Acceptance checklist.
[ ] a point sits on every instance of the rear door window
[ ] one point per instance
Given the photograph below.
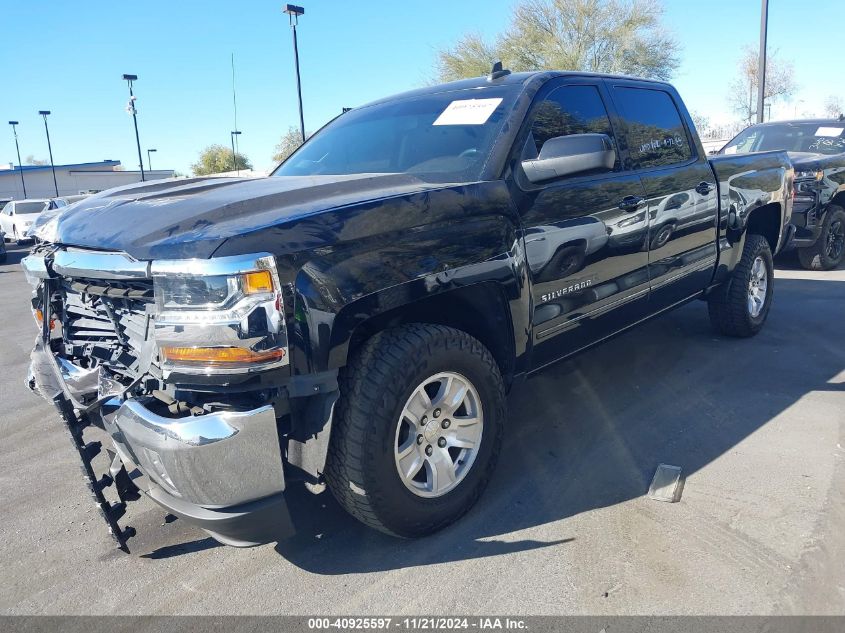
(653, 127)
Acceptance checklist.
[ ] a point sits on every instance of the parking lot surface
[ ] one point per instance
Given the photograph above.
(565, 526)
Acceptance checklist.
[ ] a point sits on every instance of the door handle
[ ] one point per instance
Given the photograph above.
(631, 203)
(704, 188)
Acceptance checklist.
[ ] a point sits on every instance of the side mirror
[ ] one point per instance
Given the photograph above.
(565, 155)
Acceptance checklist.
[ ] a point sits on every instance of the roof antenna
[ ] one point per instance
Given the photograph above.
(497, 71)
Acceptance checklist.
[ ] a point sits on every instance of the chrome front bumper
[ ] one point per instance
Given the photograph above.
(213, 460)
(221, 471)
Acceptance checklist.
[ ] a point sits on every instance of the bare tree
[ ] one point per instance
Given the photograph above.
(614, 36)
(780, 83)
(31, 160)
(833, 106)
(701, 122)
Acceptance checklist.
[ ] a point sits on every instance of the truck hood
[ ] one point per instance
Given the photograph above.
(191, 218)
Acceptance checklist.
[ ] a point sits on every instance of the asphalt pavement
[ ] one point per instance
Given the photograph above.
(565, 526)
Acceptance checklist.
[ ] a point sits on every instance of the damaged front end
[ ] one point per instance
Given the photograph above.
(184, 364)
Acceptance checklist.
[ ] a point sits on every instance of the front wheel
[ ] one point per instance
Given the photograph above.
(417, 429)
(829, 250)
(740, 306)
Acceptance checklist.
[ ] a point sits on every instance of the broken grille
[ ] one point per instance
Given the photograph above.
(107, 322)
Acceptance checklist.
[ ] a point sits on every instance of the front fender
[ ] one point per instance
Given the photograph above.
(442, 248)
(748, 183)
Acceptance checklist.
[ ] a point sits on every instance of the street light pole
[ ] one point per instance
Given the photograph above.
(150, 162)
(131, 108)
(17, 147)
(294, 12)
(761, 64)
(235, 165)
(44, 113)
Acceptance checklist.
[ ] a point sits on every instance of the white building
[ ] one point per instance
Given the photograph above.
(71, 179)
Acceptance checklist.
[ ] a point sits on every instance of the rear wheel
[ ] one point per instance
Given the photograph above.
(741, 305)
(417, 429)
(829, 250)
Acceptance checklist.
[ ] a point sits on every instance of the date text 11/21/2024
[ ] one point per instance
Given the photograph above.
(417, 623)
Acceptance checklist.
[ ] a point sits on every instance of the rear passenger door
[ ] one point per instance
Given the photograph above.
(586, 283)
(679, 185)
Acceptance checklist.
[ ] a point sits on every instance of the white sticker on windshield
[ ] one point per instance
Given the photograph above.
(829, 131)
(468, 112)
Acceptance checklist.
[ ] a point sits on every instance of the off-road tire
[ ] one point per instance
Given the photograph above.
(728, 304)
(374, 388)
(816, 257)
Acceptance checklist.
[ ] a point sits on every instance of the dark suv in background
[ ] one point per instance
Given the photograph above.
(816, 149)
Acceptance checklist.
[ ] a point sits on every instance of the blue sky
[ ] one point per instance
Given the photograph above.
(68, 56)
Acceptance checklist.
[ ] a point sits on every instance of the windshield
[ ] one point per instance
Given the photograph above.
(821, 138)
(445, 137)
(24, 208)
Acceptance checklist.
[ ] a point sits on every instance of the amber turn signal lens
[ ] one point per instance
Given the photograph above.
(39, 316)
(258, 282)
(219, 355)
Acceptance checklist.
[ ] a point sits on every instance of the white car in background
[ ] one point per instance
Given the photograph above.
(55, 207)
(17, 218)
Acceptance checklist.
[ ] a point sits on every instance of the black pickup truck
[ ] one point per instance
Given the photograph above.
(816, 148)
(356, 319)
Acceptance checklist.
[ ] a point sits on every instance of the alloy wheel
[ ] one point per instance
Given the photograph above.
(438, 434)
(757, 287)
(835, 240)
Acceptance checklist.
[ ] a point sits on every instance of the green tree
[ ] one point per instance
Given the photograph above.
(215, 159)
(611, 36)
(470, 57)
(289, 143)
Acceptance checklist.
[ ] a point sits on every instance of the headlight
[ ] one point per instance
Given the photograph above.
(218, 295)
(634, 219)
(221, 315)
(817, 175)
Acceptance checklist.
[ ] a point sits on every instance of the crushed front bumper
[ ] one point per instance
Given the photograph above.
(220, 471)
